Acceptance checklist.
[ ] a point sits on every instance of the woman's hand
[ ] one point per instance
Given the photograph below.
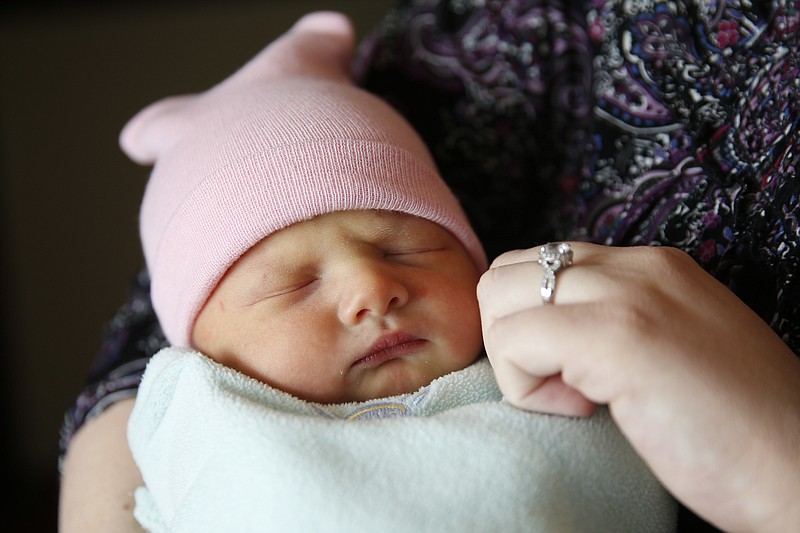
(703, 389)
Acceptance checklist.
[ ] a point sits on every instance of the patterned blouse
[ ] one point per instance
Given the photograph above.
(623, 122)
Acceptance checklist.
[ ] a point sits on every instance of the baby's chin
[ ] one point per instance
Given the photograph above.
(396, 379)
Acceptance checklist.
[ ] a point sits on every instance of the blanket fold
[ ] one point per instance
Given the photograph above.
(220, 451)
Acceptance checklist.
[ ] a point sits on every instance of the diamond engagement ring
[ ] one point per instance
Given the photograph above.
(553, 257)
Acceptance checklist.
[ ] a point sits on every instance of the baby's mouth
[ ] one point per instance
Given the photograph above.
(390, 347)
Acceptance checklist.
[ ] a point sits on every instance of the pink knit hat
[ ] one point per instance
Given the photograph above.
(286, 138)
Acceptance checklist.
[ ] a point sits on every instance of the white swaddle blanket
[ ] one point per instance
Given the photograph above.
(222, 452)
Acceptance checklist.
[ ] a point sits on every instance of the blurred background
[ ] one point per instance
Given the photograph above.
(71, 74)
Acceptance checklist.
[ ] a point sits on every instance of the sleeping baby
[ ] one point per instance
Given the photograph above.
(316, 279)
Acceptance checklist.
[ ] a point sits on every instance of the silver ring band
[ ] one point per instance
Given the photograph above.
(553, 257)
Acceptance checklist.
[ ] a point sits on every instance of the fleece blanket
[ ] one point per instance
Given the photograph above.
(222, 452)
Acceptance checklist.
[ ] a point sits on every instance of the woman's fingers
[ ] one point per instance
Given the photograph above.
(555, 359)
(509, 289)
(550, 395)
(512, 284)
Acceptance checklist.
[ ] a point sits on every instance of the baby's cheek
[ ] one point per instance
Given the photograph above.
(466, 326)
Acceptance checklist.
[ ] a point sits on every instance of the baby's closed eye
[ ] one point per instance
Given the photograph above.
(413, 251)
(275, 289)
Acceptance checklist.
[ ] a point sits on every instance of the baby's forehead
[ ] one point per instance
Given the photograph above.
(342, 228)
(361, 222)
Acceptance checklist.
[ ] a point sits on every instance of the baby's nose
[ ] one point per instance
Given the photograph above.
(370, 290)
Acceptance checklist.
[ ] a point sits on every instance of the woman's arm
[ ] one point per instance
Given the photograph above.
(99, 476)
(703, 389)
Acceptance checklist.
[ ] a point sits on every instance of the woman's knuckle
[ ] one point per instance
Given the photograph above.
(631, 319)
(485, 282)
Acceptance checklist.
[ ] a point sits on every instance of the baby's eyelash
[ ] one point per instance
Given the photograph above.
(295, 287)
(289, 289)
(412, 251)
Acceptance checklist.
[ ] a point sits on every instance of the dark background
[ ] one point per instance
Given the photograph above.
(71, 75)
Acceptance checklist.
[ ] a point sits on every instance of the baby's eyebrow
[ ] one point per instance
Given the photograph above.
(392, 229)
(383, 225)
(270, 267)
(283, 268)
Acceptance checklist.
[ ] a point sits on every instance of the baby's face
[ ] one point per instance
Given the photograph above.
(349, 306)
